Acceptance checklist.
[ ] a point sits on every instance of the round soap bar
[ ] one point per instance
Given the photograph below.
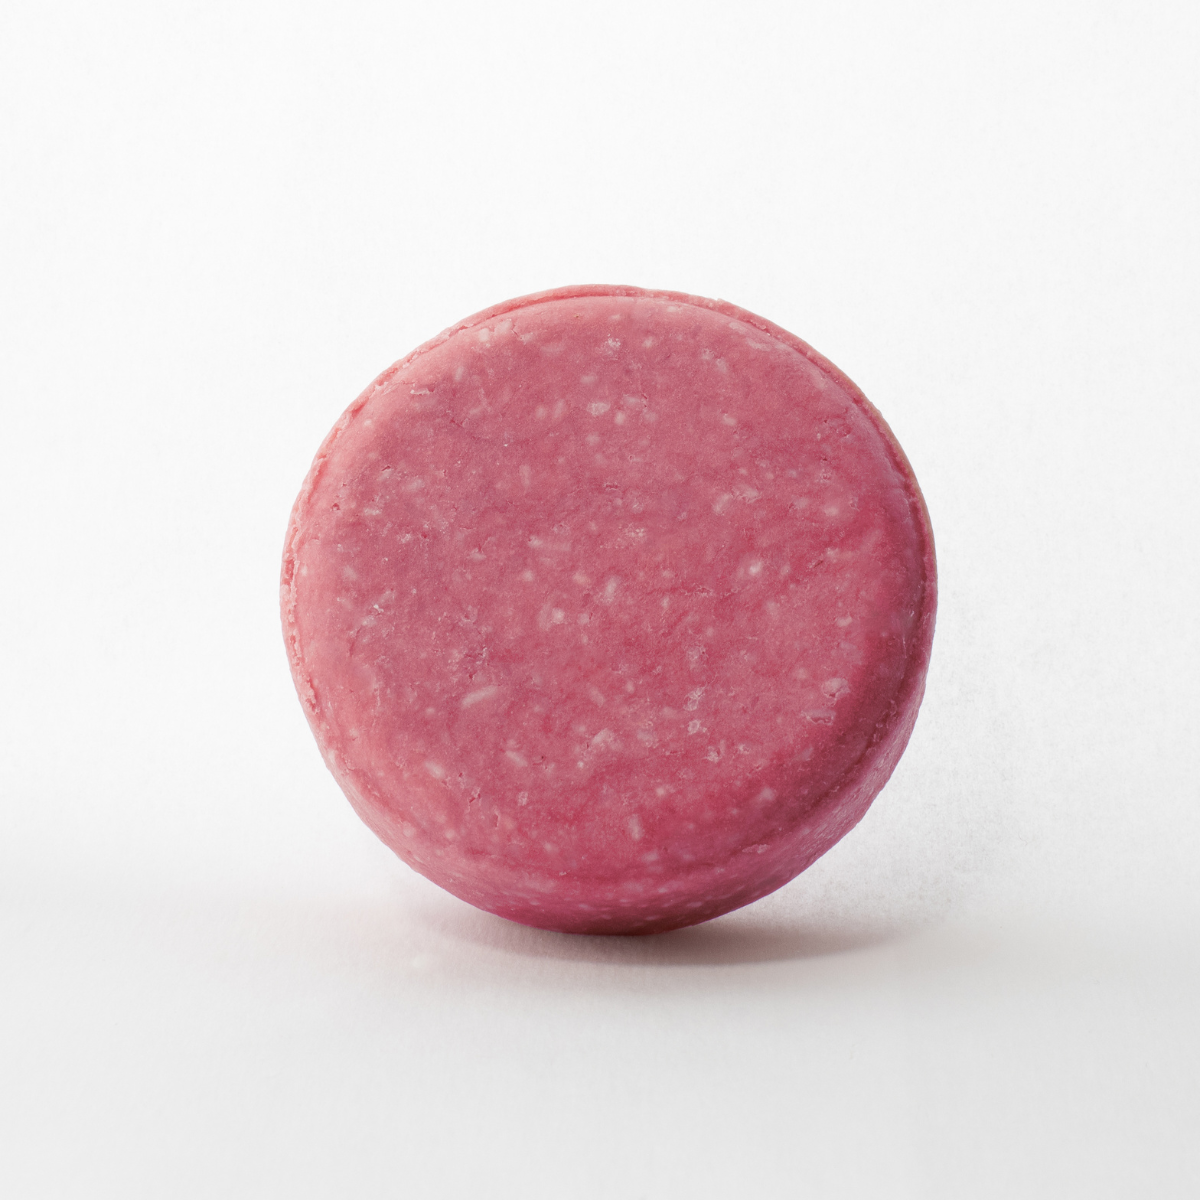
(610, 609)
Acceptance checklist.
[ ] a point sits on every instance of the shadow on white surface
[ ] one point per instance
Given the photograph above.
(747, 936)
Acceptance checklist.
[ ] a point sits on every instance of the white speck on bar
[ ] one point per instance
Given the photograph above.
(476, 697)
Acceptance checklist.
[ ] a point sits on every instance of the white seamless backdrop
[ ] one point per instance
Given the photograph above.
(219, 221)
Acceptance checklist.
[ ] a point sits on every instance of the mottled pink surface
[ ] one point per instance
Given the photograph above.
(610, 609)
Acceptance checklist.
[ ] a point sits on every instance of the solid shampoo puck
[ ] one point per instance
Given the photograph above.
(610, 609)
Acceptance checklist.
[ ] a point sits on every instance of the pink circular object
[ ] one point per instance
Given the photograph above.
(610, 609)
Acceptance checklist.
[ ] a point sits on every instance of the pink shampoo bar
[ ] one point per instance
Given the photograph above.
(610, 609)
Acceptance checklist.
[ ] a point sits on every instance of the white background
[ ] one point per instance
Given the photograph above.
(219, 221)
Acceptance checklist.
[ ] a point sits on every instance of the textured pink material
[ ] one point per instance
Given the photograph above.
(610, 609)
